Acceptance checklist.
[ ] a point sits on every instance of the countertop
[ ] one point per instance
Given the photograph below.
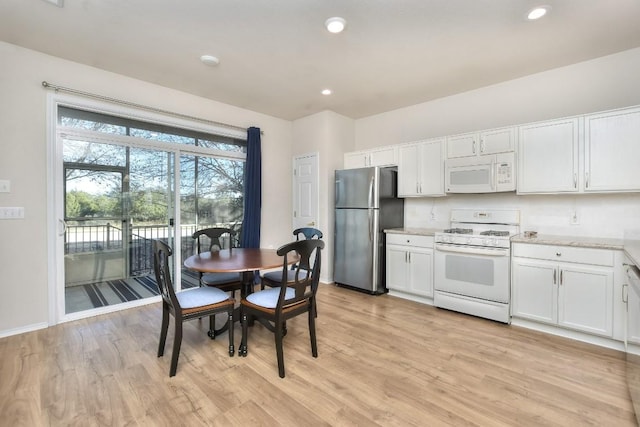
(581, 242)
(630, 247)
(415, 231)
(632, 250)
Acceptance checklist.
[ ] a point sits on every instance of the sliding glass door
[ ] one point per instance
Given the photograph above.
(116, 200)
(120, 183)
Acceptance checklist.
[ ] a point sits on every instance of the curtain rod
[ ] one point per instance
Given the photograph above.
(57, 88)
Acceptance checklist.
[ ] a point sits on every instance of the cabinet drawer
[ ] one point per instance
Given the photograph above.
(410, 240)
(564, 254)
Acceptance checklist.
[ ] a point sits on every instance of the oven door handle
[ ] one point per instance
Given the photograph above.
(475, 251)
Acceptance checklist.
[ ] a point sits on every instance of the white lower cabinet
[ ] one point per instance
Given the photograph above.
(562, 286)
(410, 264)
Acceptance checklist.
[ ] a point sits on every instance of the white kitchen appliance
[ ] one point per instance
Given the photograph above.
(472, 263)
(481, 174)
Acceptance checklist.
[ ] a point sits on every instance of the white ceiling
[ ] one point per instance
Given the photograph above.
(276, 56)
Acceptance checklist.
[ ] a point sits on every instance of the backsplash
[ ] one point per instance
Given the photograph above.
(592, 215)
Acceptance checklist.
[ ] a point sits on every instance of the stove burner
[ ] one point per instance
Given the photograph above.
(458, 230)
(494, 233)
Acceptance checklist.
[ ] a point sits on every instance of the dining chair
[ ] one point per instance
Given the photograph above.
(274, 278)
(186, 305)
(211, 239)
(273, 307)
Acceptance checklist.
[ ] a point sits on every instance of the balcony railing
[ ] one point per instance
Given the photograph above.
(108, 237)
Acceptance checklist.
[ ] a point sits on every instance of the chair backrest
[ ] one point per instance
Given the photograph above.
(215, 240)
(307, 270)
(161, 254)
(308, 232)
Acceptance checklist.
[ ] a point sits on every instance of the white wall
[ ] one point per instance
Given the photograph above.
(23, 243)
(600, 84)
(597, 85)
(331, 135)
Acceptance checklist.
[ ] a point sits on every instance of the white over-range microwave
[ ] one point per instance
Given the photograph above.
(481, 174)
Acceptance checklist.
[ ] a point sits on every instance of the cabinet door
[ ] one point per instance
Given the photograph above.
(534, 290)
(357, 159)
(462, 145)
(421, 271)
(585, 298)
(397, 259)
(383, 157)
(497, 141)
(548, 157)
(432, 169)
(612, 150)
(408, 170)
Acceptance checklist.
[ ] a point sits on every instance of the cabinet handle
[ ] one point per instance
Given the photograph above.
(473, 147)
(625, 294)
(406, 257)
(420, 187)
(575, 180)
(482, 145)
(558, 253)
(417, 187)
(561, 276)
(555, 272)
(586, 179)
(409, 257)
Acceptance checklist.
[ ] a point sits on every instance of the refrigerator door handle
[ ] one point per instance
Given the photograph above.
(370, 200)
(370, 225)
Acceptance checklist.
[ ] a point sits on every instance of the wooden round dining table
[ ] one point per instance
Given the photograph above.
(241, 260)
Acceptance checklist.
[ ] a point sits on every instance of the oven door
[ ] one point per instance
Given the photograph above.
(471, 271)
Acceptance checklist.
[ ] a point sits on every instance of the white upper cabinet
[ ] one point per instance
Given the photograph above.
(478, 143)
(548, 157)
(595, 153)
(421, 169)
(383, 156)
(612, 150)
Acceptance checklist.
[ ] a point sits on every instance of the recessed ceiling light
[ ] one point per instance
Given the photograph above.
(326, 91)
(209, 60)
(538, 12)
(335, 24)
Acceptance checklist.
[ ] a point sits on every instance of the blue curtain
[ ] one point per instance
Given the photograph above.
(252, 191)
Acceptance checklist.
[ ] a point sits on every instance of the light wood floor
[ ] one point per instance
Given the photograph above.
(382, 361)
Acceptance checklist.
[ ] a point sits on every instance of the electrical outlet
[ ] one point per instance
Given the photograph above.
(433, 216)
(574, 218)
(5, 186)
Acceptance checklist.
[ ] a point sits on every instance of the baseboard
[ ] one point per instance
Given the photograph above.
(568, 333)
(23, 329)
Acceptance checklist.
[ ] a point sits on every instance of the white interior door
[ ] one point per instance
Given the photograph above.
(305, 191)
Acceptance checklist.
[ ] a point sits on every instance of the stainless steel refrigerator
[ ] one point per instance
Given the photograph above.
(366, 204)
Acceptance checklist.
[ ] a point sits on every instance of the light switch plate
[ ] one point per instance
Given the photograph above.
(5, 186)
(11, 213)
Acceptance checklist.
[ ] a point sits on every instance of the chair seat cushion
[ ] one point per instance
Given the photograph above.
(276, 276)
(269, 297)
(199, 297)
(220, 278)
